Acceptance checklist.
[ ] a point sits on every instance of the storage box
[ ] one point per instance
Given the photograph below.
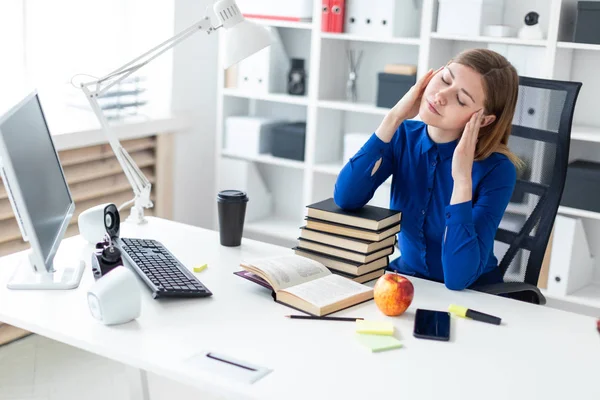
(587, 26)
(296, 10)
(249, 136)
(383, 18)
(391, 88)
(353, 143)
(468, 17)
(289, 140)
(582, 188)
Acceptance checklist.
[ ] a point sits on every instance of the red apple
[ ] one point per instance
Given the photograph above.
(393, 294)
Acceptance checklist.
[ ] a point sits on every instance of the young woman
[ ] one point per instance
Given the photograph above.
(452, 174)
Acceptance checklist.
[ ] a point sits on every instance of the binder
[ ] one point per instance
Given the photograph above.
(325, 10)
(571, 263)
(336, 16)
(383, 18)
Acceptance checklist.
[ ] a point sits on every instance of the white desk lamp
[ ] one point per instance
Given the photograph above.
(242, 39)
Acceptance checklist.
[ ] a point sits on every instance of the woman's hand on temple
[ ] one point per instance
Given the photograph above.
(462, 161)
(406, 108)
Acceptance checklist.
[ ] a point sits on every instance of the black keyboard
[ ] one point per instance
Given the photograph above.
(160, 270)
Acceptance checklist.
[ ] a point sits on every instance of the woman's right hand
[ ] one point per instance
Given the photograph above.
(406, 108)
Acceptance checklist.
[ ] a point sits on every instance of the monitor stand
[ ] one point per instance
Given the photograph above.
(26, 278)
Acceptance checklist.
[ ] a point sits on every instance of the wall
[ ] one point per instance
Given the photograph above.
(194, 93)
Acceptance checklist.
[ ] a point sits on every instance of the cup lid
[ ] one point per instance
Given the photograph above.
(232, 195)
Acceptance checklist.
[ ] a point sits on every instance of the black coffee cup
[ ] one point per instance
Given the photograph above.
(232, 211)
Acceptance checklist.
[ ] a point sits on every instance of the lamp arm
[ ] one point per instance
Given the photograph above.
(94, 89)
(105, 83)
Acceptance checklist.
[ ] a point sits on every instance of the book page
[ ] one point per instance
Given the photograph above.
(286, 271)
(328, 290)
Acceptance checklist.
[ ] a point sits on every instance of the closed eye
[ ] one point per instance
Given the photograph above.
(457, 99)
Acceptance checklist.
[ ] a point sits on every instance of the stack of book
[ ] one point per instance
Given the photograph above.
(356, 244)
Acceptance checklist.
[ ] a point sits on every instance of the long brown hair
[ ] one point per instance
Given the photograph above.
(501, 88)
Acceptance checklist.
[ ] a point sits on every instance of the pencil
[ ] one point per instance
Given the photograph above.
(323, 318)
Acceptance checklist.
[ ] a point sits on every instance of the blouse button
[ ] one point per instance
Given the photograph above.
(447, 215)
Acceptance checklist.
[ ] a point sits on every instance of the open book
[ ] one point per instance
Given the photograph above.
(306, 285)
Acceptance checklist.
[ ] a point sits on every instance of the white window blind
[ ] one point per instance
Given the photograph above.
(12, 57)
(48, 42)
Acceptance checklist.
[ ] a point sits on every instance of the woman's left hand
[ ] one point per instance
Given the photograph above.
(464, 154)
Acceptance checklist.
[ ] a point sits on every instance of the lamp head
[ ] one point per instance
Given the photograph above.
(242, 37)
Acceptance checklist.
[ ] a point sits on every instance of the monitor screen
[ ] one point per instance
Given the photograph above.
(38, 171)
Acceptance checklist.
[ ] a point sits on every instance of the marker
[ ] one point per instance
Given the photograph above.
(476, 315)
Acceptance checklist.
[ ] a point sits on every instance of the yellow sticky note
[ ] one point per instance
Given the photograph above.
(374, 327)
(200, 268)
(378, 342)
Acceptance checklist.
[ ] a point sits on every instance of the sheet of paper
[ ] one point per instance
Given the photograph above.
(328, 290)
(378, 342)
(227, 367)
(375, 327)
(286, 271)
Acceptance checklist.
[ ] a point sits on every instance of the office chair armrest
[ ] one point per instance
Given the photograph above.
(514, 290)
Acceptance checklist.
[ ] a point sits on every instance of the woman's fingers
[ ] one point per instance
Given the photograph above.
(425, 79)
(477, 126)
(432, 75)
(466, 136)
(469, 135)
(422, 79)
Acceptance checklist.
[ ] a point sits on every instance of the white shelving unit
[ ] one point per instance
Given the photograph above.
(489, 39)
(329, 115)
(283, 24)
(271, 97)
(360, 38)
(265, 159)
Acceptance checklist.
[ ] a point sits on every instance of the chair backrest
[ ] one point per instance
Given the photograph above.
(540, 136)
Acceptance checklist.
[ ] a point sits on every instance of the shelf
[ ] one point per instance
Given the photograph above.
(587, 296)
(578, 46)
(359, 38)
(275, 226)
(281, 23)
(273, 97)
(330, 169)
(490, 39)
(355, 107)
(585, 133)
(576, 212)
(265, 159)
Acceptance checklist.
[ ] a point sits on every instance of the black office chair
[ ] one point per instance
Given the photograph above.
(541, 136)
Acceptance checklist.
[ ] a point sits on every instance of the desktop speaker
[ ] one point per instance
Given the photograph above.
(94, 223)
(116, 297)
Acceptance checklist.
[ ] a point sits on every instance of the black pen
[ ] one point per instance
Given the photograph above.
(210, 355)
(323, 318)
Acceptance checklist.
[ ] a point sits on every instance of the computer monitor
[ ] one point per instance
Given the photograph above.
(39, 195)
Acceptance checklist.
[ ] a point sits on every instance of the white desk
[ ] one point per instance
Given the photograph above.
(538, 353)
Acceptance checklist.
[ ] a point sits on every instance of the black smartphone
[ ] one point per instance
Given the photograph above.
(430, 324)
